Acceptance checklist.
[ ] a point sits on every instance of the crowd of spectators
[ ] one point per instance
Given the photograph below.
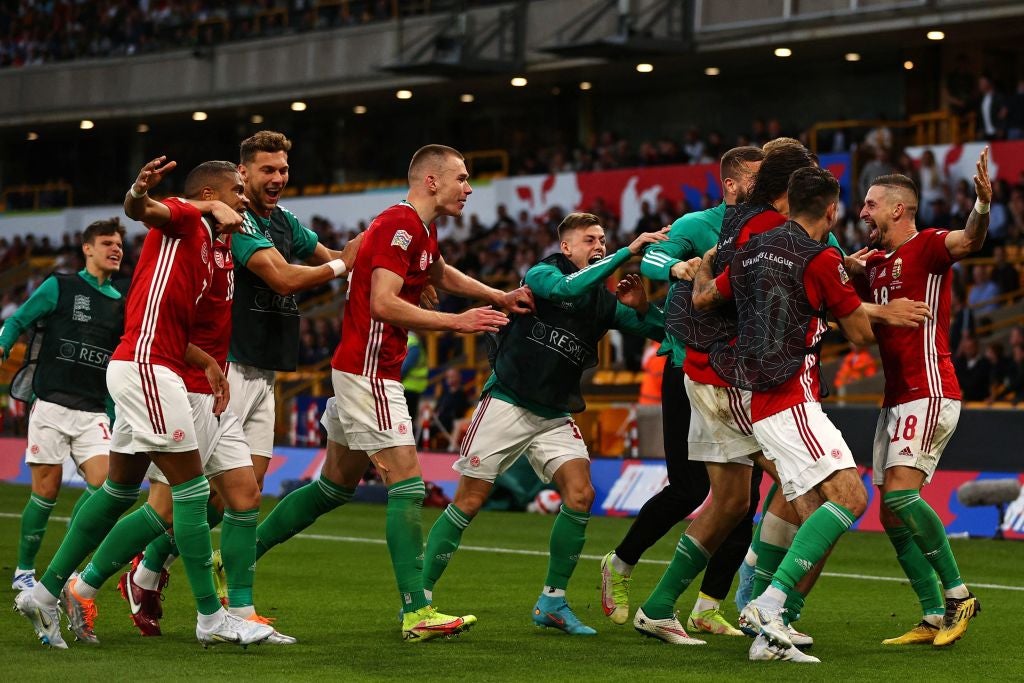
(36, 32)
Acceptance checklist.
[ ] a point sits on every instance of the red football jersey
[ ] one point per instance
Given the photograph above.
(172, 273)
(399, 241)
(825, 282)
(211, 330)
(695, 363)
(917, 361)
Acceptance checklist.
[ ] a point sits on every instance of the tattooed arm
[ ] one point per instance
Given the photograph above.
(961, 243)
(706, 292)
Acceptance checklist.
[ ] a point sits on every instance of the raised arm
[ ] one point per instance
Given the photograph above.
(138, 205)
(961, 243)
(456, 282)
(42, 303)
(387, 306)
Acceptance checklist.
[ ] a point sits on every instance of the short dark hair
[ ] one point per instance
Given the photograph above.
(733, 160)
(111, 226)
(575, 221)
(263, 141)
(207, 174)
(897, 180)
(773, 176)
(431, 153)
(811, 190)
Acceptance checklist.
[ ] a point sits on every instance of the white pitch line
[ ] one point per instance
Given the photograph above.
(542, 553)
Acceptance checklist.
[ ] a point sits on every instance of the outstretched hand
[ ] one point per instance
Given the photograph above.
(638, 245)
(856, 262)
(982, 183)
(630, 292)
(152, 173)
(518, 300)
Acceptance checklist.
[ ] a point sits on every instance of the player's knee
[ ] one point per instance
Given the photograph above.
(579, 497)
(856, 499)
(887, 517)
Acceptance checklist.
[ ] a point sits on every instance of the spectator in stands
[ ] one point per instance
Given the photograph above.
(983, 291)
(973, 371)
(999, 214)
(879, 137)
(1004, 274)
(327, 332)
(878, 166)
(9, 304)
(858, 364)
(1013, 390)
(932, 185)
(960, 86)
(693, 148)
(415, 372)
(1002, 368)
(758, 133)
(941, 217)
(453, 402)
(308, 349)
(963, 204)
(649, 221)
(961, 320)
(503, 220)
(1015, 113)
(1015, 209)
(991, 110)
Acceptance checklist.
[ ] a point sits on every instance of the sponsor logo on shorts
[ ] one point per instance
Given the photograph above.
(34, 449)
(906, 452)
(837, 454)
(403, 429)
(474, 461)
(178, 435)
(401, 239)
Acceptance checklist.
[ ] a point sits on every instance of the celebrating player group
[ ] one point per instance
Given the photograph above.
(173, 381)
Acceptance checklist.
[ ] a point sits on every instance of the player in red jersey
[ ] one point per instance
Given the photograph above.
(922, 396)
(152, 408)
(785, 280)
(369, 416)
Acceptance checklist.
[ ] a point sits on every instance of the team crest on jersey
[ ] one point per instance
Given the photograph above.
(897, 268)
(218, 258)
(401, 239)
(423, 260)
(843, 275)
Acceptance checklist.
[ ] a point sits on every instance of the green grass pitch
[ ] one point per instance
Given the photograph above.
(333, 589)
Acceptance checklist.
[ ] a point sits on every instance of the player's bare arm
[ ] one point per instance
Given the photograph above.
(196, 357)
(705, 291)
(323, 255)
(901, 312)
(227, 220)
(856, 327)
(630, 292)
(961, 243)
(138, 205)
(387, 306)
(288, 278)
(451, 280)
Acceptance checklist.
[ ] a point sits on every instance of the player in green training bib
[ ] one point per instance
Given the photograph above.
(534, 388)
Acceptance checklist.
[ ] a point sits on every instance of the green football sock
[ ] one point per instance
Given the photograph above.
(817, 534)
(405, 540)
(755, 541)
(769, 557)
(33, 525)
(929, 533)
(214, 514)
(192, 535)
(794, 606)
(157, 552)
(89, 490)
(298, 510)
(442, 542)
(689, 560)
(915, 565)
(568, 534)
(95, 519)
(238, 551)
(128, 537)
